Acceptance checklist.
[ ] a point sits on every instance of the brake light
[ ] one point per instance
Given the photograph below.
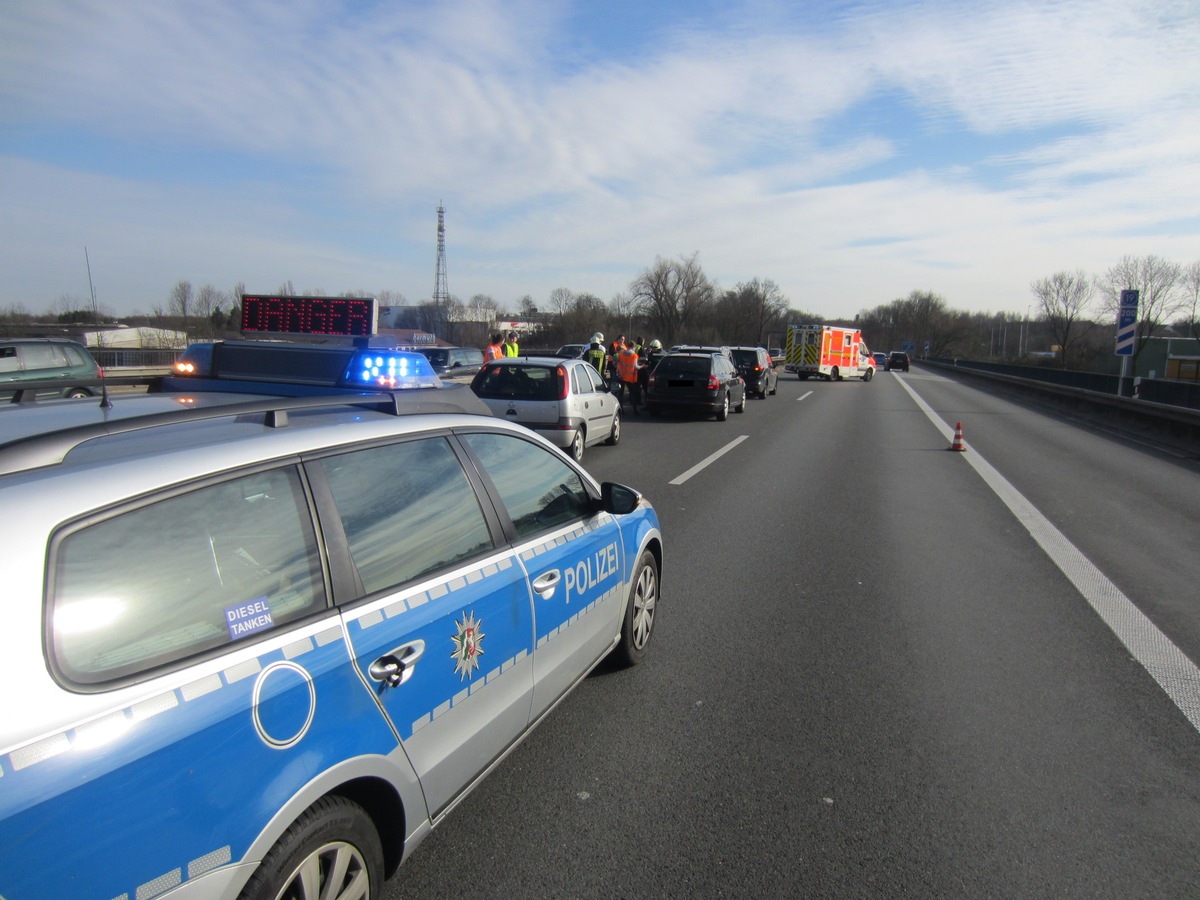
(564, 381)
(714, 383)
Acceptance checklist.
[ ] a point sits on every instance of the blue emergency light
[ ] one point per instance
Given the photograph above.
(392, 369)
(236, 365)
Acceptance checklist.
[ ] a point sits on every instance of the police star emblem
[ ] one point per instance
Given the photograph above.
(468, 646)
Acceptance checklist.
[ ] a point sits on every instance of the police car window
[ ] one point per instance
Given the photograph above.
(407, 510)
(184, 575)
(539, 489)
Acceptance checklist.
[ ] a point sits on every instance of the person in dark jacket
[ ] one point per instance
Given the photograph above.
(596, 355)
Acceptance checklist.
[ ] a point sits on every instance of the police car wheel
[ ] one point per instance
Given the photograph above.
(333, 847)
(614, 436)
(576, 448)
(639, 613)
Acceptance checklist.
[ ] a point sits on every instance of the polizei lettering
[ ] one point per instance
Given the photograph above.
(591, 572)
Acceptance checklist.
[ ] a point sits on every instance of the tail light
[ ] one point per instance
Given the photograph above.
(714, 383)
(564, 382)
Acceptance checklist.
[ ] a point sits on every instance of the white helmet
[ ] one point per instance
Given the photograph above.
(656, 344)
(598, 338)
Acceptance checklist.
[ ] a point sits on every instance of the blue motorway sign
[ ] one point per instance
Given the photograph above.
(1127, 323)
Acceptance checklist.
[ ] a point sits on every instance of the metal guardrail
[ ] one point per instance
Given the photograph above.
(1156, 390)
(1175, 425)
(134, 358)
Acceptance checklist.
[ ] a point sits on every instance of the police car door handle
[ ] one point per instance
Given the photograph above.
(395, 668)
(545, 584)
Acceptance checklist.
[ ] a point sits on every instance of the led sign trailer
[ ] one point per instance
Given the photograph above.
(336, 316)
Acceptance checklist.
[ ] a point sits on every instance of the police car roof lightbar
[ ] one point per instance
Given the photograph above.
(299, 368)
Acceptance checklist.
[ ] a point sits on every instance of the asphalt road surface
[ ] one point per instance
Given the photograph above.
(880, 669)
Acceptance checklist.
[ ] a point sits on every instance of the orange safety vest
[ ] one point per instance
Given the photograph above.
(492, 352)
(627, 361)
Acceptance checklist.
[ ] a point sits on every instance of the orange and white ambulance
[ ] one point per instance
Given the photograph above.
(827, 351)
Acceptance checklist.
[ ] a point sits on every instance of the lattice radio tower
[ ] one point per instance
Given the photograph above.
(441, 293)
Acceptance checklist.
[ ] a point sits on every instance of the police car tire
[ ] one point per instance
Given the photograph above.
(330, 827)
(638, 625)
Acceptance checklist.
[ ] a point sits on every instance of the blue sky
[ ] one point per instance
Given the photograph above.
(849, 151)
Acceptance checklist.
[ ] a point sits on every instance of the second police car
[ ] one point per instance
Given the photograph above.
(244, 652)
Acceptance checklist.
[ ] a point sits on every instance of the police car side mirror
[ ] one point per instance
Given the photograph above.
(618, 499)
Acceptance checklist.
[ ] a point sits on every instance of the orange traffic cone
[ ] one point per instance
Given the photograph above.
(957, 443)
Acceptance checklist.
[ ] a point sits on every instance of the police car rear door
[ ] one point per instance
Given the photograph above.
(443, 632)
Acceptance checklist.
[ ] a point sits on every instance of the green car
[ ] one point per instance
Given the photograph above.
(51, 367)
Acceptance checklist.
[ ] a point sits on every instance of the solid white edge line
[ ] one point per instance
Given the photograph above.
(1174, 672)
(706, 462)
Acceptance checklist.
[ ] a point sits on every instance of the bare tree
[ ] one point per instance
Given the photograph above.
(179, 303)
(1064, 298)
(746, 314)
(924, 319)
(561, 301)
(622, 308)
(1191, 287)
(528, 308)
(1160, 294)
(672, 296)
(390, 298)
(207, 309)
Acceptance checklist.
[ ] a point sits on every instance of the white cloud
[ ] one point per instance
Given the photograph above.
(332, 132)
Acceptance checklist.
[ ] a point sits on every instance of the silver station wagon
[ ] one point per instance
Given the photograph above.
(243, 647)
(564, 400)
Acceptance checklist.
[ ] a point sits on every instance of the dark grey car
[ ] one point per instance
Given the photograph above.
(449, 362)
(704, 383)
(757, 370)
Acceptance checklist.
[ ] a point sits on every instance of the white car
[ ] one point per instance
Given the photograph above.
(564, 400)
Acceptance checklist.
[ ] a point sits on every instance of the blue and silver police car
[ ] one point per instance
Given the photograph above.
(245, 652)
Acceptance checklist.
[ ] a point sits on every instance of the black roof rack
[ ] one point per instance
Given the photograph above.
(51, 447)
